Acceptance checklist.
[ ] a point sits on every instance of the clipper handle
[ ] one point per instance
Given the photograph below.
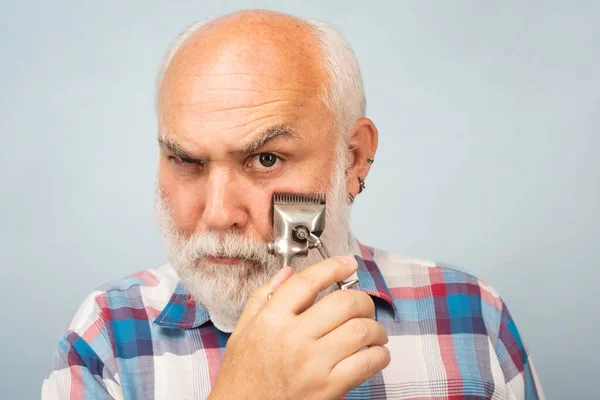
(314, 241)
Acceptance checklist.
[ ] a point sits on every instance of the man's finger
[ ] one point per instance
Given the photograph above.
(354, 370)
(349, 338)
(335, 309)
(299, 291)
(260, 296)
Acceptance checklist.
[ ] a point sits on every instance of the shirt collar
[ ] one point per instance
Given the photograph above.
(182, 312)
(370, 279)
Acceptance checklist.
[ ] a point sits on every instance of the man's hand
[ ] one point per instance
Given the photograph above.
(290, 348)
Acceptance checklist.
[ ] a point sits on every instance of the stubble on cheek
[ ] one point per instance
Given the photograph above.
(181, 203)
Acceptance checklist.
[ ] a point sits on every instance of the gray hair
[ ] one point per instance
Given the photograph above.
(343, 95)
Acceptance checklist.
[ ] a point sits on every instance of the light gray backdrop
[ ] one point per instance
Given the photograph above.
(489, 115)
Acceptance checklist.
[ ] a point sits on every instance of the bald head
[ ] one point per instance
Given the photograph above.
(241, 54)
(309, 55)
(265, 42)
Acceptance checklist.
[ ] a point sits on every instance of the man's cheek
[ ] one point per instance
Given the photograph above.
(260, 209)
(185, 208)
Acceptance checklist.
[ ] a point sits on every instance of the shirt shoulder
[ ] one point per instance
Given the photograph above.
(111, 325)
(403, 271)
(146, 292)
(414, 282)
(445, 307)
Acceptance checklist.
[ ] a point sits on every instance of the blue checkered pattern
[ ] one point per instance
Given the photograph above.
(451, 337)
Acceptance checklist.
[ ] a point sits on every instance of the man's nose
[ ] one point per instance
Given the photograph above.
(224, 208)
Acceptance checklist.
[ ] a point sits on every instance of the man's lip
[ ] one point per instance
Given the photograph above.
(224, 260)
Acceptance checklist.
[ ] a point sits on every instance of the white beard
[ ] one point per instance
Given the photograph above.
(223, 289)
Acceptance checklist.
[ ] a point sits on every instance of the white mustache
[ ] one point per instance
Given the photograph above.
(229, 245)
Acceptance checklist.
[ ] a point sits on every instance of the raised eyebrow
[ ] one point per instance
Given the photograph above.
(270, 134)
(177, 150)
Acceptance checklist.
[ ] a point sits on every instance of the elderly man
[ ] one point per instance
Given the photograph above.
(250, 104)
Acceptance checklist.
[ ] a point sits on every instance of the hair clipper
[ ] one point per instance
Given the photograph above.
(298, 222)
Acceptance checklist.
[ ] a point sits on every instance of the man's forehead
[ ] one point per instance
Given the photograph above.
(231, 81)
(256, 35)
(248, 51)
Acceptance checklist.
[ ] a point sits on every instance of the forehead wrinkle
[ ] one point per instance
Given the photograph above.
(203, 97)
(236, 107)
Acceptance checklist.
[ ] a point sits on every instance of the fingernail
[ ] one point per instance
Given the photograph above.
(278, 274)
(349, 261)
(277, 278)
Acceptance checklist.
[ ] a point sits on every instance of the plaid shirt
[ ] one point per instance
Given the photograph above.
(450, 337)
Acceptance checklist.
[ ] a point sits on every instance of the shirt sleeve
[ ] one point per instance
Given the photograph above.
(520, 376)
(78, 373)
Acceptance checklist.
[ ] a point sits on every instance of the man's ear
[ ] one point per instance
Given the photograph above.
(362, 145)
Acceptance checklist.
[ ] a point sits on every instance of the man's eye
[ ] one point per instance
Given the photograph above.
(182, 162)
(267, 159)
(264, 160)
